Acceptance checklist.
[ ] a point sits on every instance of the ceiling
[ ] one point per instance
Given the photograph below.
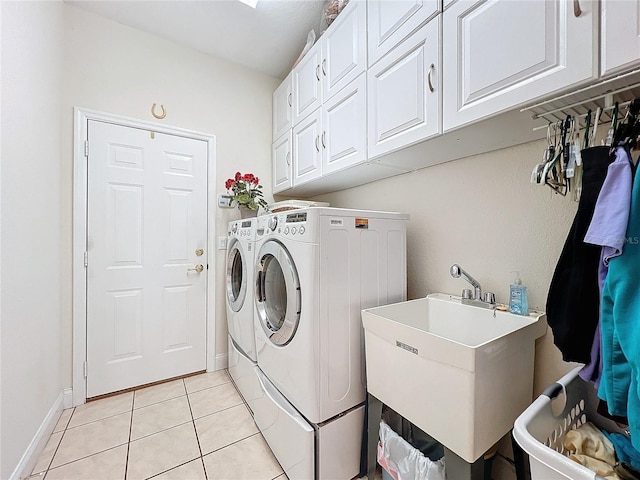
(267, 39)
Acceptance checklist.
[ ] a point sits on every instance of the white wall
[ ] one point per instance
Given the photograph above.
(120, 70)
(482, 213)
(30, 212)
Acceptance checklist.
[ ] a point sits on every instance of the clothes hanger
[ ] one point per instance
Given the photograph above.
(614, 124)
(587, 126)
(629, 129)
(552, 172)
(596, 122)
(548, 154)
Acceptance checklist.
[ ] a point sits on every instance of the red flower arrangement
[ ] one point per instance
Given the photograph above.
(246, 191)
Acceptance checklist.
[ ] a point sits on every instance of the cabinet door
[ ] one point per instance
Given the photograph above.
(620, 35)
(282, 161)
(500, 54)
(307, 94)
(403, 96)
(344, 48)
(391, 21)
(282, 108)
(344, 124)
(307, 149)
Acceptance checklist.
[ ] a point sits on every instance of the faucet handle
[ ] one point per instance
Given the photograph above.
(467, 294)
(490, 297)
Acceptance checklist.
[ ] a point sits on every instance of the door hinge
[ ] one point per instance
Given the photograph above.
(84, 369)
(86, 259)
(86, 148)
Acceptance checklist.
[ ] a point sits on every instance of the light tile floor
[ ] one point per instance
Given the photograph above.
(197, 428)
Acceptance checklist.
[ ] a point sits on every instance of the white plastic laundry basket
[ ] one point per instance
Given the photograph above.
(540, 432)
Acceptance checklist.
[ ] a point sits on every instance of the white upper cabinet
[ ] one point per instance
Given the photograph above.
(281, 154)
(620, 35)
(403, 93)
(282, 108)
(332, 138)
(500, 54)
(335, 60)
(344, 49)
(307, 149)
(391, 21)
(307, 89)
(344, 127)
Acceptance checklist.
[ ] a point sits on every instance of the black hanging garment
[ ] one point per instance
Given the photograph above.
(573, 302)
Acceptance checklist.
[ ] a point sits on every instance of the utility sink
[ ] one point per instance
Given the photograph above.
(461, 373)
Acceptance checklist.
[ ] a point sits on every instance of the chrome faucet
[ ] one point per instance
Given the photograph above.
(475, 298)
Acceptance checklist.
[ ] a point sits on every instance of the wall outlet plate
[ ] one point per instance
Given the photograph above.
(225, 201)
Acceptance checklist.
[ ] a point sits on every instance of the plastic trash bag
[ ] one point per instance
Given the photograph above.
(311, 39)
(402, 461)
(332, 8)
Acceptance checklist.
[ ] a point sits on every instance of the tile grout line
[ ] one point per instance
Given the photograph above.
(234, 442)
(156, 403)
(126, 460)
(86, 456)
(46, 470)
(217, 411)
(207, 388)
(206, 477)
(96, 420)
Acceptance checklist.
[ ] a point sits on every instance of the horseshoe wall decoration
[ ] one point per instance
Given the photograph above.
(162, 115)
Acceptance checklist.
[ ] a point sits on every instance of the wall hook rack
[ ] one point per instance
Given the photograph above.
(602, 95)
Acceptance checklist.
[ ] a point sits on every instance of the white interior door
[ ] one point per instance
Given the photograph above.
(147, 231)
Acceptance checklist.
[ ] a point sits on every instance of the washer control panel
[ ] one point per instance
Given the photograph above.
(290, 225)
(242, 228)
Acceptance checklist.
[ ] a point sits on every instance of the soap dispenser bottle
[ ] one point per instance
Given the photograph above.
(518, 302)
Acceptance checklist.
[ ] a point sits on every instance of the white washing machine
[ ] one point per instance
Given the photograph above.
(316, 269)
(240, 309)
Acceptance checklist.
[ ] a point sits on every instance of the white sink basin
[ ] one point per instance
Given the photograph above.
(461, 373)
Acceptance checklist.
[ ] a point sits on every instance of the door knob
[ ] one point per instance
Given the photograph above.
(198, 268)
(199, 252)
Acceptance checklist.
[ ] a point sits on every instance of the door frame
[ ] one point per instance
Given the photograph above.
(80, 185)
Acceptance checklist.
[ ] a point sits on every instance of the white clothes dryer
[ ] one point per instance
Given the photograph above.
(240, 310)
(316, 269)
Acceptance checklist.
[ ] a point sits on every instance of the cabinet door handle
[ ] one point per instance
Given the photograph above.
(289, 158)
(318, 72)
(324, 64)
(290, 100)
(317, 140)
(576, 8)
(431, 89)
(323, 135)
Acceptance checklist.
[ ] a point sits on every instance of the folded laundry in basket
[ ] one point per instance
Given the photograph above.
(588, 446)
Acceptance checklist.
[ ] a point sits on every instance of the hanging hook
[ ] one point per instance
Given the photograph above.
(161, 116)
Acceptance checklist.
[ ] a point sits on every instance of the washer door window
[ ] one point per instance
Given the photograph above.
(278, 296)
(236, 276)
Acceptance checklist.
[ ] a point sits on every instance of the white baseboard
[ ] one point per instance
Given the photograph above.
(67, 394)
(222, 361)
(40, 439)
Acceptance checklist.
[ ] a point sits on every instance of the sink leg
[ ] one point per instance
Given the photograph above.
(374, 414)
(520, 459)
(459, 469)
